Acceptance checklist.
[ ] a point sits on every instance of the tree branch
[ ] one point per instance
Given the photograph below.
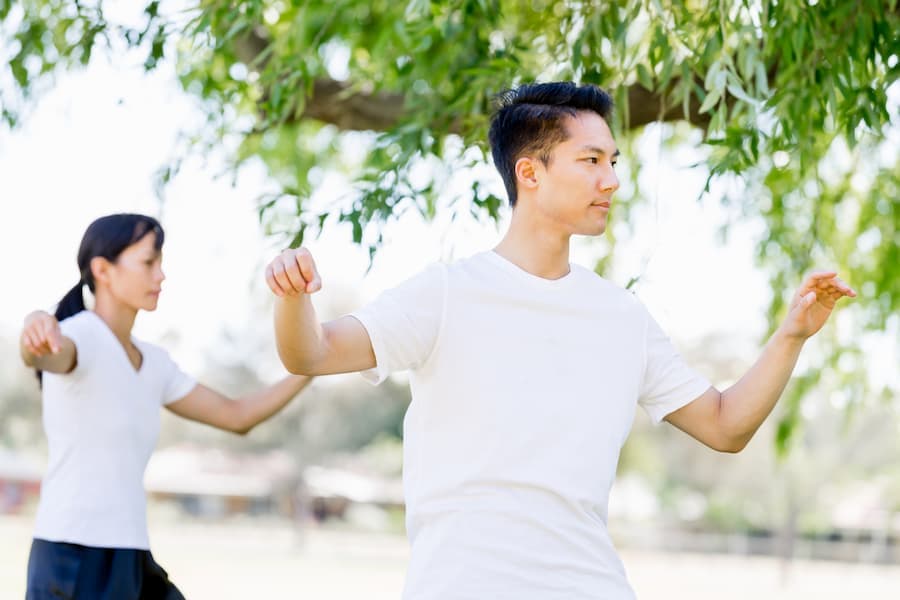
(348, 107)
(340, 104)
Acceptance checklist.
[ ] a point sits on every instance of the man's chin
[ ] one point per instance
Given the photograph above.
(593, 230)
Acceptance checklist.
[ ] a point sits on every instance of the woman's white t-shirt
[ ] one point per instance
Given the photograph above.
(102, 423)
(523, 392)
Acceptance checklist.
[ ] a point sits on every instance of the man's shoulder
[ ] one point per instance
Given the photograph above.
(601, 284)
(478, 258)
(466, 265)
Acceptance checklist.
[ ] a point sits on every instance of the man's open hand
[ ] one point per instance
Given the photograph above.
(813, 303)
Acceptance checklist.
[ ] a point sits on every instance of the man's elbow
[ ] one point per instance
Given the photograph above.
(729, 448)
(732, 437)
(731, 444)
(299, 367)
(294, 364)
(242, 429)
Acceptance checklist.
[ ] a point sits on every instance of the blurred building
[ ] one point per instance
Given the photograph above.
(20, 481)
(330, 491)
(211, 482)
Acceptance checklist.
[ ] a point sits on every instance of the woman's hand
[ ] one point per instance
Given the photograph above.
(41, 334)
(44, 347)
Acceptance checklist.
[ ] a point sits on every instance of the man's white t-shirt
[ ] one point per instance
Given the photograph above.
(523, 392)
(102, 423)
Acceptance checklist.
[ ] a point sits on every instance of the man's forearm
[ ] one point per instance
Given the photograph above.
(747, 403)
(298, 334)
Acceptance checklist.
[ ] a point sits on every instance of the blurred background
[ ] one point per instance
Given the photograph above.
(782, 156)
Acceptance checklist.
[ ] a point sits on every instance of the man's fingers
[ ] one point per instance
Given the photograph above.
(804, 300)
(827, 283)
(835, 287)
(844, 288)
(295, 275)
(817, 278)
(293, 272)
(314, 286)
(273, 283)
(282, 279)
(308, 270)
(809, 299)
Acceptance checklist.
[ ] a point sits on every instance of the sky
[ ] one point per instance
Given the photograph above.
(91, 145)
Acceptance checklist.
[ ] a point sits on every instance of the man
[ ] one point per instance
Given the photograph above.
(526, 371)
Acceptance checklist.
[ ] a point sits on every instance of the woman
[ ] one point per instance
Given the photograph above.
(102, 390)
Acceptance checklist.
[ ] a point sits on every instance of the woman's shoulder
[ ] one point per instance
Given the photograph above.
(84, 318)
(153, 353)
(80, 327)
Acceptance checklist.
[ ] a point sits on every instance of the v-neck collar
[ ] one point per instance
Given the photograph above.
(122, 349)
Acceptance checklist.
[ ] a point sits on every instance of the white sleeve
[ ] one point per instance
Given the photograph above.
(176, 383)
(79, 330)
(668, 382)
(403, 322)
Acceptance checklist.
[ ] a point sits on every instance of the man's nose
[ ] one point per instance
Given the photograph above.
(610, 181)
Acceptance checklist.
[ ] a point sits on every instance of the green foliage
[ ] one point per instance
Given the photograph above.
(792, 98)
(20, 405)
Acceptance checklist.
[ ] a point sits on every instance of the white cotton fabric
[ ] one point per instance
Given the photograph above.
(523, 392)
(102, 423)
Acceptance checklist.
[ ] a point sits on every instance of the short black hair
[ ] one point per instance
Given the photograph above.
(529, 119)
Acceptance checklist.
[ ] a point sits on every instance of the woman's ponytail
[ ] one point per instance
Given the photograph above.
(71, 304)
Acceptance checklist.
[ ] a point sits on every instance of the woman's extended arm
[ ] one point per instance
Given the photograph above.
(241, 414)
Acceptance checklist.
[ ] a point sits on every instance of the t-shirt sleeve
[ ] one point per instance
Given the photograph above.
(668, 383)
(79, 330)
(403, 323)
(176, 383)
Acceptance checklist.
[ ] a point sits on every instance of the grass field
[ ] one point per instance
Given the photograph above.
(268, 559)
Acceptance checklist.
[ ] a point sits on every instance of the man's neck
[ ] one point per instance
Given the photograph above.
(535, 249)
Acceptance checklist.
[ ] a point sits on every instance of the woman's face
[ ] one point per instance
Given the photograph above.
(136, 277)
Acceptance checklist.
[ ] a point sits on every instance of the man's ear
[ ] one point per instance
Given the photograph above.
(526, 172)
(100, 269)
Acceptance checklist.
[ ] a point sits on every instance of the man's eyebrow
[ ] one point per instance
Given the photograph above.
(601, 151)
